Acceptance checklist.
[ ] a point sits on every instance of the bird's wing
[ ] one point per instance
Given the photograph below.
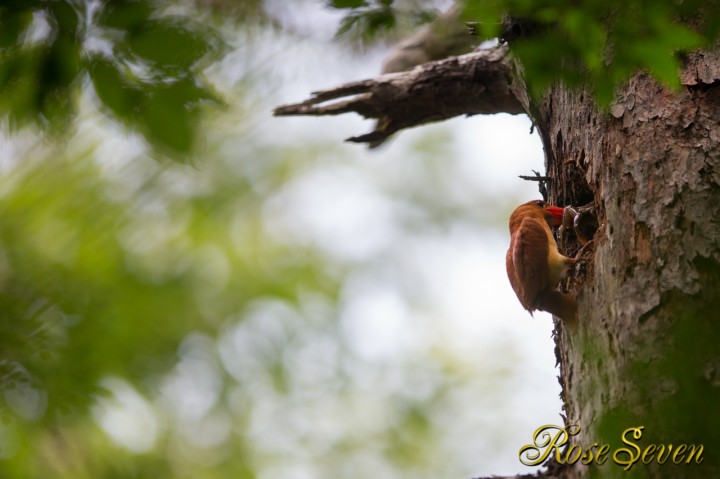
(529, 251)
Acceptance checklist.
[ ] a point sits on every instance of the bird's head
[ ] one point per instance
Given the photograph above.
(538, 209)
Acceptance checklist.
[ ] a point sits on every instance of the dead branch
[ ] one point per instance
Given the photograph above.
(476, 83)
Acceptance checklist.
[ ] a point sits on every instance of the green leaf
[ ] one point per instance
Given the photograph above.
(17, 6)
(170, 118)
(166, 114)
(58, 72)
(115, 90)
(65, 15)
(18, 81)
(168, 43)
(348, 3)
(659, 61)
(367, 23)
(587, 36)
(190, 94)
(12, 24)
(125, 14)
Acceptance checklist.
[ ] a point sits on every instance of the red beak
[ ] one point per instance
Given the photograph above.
(556, 211)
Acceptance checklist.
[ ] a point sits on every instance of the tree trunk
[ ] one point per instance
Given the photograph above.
(646, 351)
(641, 367)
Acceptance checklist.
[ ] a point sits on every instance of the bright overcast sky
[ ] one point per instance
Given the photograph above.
(342, 209)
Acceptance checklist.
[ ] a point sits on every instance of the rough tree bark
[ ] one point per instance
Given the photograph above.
(646, 349)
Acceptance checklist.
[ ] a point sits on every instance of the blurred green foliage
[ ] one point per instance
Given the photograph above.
(85, 276)
(144, 65)
(602, 43)
(152, 326)
(367, 21)
(594, 43)
(151, 323)
(103, 277)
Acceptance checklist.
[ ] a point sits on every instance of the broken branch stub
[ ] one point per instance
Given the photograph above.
(476, 83)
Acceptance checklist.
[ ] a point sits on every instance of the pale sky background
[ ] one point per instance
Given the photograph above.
(343, 209)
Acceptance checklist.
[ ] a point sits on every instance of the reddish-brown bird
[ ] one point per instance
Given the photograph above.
(534, 264)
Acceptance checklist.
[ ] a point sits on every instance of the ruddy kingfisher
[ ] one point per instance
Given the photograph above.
(534, 264)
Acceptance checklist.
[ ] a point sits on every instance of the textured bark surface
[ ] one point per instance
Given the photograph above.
(476, 83)
(645, 352)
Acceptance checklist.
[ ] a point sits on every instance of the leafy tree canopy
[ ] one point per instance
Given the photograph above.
(598, 43)
(143, 62)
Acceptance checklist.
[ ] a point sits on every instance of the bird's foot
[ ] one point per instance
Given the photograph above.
(579, 255)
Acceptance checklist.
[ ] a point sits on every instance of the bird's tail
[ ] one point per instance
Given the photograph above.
(559, 304)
